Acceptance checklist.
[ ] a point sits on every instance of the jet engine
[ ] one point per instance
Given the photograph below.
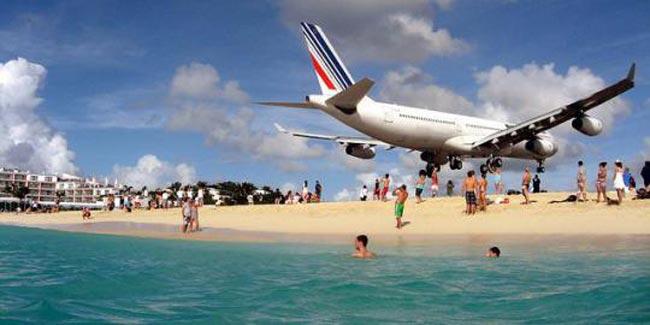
(587, 125)
(541, 147)
(362, 151)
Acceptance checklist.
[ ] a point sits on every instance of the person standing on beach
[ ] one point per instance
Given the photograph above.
(536, 183)
(401, 195)
(498, 182)
(305, 191)
(186, 211)
(581, 179)
(525, 185)
(469, 187)
(645, 174)
(601, 182)
(194, 214)
(434, 183)
(419, 186)
(361, 247)
(375, 193)
(619, 183)
(482, 192)
(386, 184)
(318, 190)
(450, 188)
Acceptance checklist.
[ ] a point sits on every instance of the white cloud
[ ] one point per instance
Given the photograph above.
(27, 141)
(411, 86)
(377, 30)
(343, 195)
(153, 172)
(202, 81)
(199, 105)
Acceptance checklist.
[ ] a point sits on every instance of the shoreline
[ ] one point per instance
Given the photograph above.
(340, 221)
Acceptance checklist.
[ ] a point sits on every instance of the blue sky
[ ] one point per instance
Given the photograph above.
(111, 64)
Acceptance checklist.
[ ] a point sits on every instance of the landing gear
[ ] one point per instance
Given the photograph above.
(491, 165)
(540, 167)
(431, 167)
(455, 163)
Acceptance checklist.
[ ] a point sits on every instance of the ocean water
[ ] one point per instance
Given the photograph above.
(57, 277)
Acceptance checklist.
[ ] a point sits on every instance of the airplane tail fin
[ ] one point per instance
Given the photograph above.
(333, 76)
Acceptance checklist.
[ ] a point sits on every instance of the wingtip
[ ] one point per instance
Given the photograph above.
(279, 128)
(631, 73)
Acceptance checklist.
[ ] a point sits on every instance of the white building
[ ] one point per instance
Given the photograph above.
(41, 187)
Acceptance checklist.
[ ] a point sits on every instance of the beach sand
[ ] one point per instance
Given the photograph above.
(339, 221)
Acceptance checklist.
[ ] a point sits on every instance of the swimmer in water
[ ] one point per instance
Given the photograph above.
(493, 252)
(361, 247)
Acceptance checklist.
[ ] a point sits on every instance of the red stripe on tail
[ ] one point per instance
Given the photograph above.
(321, 73)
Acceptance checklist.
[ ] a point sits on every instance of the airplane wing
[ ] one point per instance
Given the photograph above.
(340, 139)
(527, 129)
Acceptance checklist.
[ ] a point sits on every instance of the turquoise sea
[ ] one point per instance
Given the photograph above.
(58, 277)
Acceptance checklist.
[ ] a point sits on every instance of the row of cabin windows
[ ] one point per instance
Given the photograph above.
(420, 118)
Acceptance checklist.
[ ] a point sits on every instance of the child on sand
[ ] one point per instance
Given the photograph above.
(469, 186)
(401, 195)
(361, 247)
(419, 186)
(434, 183)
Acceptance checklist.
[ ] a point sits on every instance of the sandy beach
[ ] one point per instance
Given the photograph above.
(439, 216)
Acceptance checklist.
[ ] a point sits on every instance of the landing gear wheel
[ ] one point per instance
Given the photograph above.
(431, 167)
(484, 169)
(497, 162)
(455, 163)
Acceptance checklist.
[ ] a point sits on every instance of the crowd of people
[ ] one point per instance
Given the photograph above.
(304, 196)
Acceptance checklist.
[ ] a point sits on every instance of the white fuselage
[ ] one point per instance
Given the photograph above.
(424, 130)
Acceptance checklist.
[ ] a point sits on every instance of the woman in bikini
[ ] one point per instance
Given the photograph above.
(482, 193)
(601, 182)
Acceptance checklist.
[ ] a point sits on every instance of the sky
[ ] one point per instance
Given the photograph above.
(149, 92)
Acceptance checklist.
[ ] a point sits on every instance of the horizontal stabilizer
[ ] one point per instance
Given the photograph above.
(348, 98)
(289, 104)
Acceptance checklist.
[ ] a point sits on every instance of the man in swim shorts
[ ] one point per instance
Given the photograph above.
(401, 195)
(361, 247)
(470, 186)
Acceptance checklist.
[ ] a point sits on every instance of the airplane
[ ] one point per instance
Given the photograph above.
(440, 137)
